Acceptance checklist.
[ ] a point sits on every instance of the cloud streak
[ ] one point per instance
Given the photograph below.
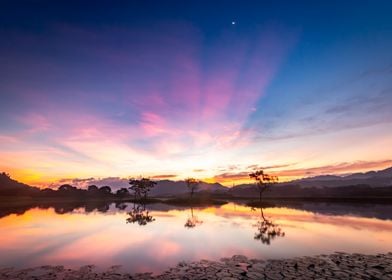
(135, 103)
(339, 168)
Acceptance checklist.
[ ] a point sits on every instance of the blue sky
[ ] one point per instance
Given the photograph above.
(97, 89)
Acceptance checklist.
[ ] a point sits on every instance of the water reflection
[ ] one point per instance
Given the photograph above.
(121, 205)
(139, 214)
(73, 234)
(369, 210)
(192, 221)
(267, 230)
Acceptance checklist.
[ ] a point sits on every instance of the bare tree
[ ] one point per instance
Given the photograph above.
(192, 184)
(135, 187)
(141, 187)
(263, 181)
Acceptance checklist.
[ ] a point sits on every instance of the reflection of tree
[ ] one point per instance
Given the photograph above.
(140, 215)
(266, 229)
(192, 221)
(100, 206)
(121, 205)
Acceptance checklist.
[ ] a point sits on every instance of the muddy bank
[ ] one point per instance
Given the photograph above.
(334, 266)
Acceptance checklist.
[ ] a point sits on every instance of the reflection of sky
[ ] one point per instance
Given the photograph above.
(86, 93)
(42, 237)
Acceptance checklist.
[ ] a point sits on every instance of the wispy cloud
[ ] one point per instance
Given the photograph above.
(334, 169)
(134, 106)
(339, 168)
(164, 176)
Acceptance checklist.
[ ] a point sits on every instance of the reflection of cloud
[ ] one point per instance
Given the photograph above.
(289, 217)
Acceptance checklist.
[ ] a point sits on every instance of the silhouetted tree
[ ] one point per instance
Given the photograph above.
(47, 192)
(135, 187)
(192, 184)
(266, 229)
(92, 188)
(263, 181)
(6, 175)
(105, 190)
(139, 215)
(66, 188)
(121, 205)
(141, 187)
(69, 191)
(192, 221)
(122, 192)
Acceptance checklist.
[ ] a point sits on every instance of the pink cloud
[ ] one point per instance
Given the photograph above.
(174, 96)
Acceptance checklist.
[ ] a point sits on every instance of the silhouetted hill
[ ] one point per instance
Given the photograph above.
(385, 173)
(368, 184)
(380, 178)
(10, 187)
(296, 191)
(172, 188)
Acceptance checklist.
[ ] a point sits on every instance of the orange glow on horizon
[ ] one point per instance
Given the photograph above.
(42, 180)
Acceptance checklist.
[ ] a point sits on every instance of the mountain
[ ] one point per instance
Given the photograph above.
(372, 183)
(169, 188)
(10, 187)
(372, 178)
(385, 173)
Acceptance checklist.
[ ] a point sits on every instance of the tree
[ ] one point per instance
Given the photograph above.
(135, 187)
(6, 175)
(122, 192)
(105, 190)
(141, 187)
(92, 188)
(263, 181)
(66, 188)
(192, 184)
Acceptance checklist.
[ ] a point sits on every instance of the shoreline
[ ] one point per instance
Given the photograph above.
(333, 266)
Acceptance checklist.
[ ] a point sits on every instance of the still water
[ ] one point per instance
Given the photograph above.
(158, 236)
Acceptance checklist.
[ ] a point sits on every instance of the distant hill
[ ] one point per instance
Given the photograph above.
(10, 187)
(372, 183)
(170, 188)
(380, 178)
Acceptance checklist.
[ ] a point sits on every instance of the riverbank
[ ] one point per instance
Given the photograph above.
(334, 266)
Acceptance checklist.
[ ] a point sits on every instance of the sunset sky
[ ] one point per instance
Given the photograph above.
(208, 89)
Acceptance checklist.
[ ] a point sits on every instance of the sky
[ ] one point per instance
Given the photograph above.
(207, 89)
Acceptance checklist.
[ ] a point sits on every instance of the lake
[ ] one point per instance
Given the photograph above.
(154, 237)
